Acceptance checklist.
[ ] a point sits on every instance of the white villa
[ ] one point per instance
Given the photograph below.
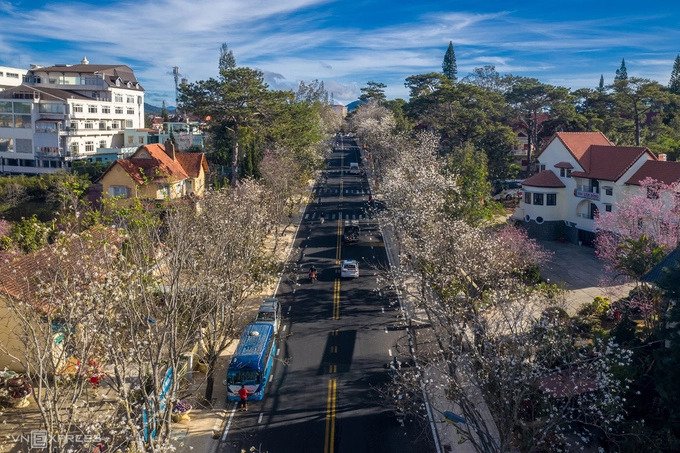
(581, 173)
(65, 112)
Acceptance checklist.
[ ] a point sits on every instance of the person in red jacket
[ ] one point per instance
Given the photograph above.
(243, 394)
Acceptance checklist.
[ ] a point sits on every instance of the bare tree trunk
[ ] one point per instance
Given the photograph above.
(234, 158)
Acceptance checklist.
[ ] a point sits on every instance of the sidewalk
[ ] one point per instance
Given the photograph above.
(202, 433)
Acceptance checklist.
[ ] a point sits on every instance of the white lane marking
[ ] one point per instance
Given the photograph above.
(259, 420)
(277, 352)
(271, 377)
(289, 308)
(231, 417)
(382, 309)
(389, 351)
(306, 216)
(385, 329)
(284, 327)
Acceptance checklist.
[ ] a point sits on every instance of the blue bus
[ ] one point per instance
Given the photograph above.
(252, 361)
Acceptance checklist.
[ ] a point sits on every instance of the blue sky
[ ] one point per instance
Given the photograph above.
(346, 43)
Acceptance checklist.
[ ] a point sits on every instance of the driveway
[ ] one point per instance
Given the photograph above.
(581, 271)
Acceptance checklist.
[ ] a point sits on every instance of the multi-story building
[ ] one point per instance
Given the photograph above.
(581, 173)
(66, 112)
(11, 77)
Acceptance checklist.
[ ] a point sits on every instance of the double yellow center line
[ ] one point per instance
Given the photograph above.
(336, 300)
(329, 445)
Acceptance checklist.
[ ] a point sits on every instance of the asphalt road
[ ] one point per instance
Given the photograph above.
(336, 337)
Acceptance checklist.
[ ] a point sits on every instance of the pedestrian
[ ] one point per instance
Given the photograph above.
(243, 394)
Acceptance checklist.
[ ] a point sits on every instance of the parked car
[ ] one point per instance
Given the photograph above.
(350, 234)
(508, 194)
(354, 168)
(349, 269)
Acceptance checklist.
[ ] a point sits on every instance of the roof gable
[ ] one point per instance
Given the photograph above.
(150, 163)
(192, 163)
(577, 143)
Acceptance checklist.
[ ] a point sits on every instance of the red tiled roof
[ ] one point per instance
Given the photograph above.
(159, 167)
(192, 163)
(662, 171)
(609, 163)
(564, 165)
(578, 142)
(546, 178)
(21, 277)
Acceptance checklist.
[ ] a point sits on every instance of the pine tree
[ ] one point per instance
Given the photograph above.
(622, 73)
(164, 113)
(600, 87)
(449, 67)
(674, 84)
(227, 60)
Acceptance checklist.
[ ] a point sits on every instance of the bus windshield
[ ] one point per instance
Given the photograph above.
(238, 377)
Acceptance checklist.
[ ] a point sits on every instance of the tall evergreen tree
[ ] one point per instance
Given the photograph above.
(674, 84)
(622, 73)
(227, 60)
(164, 112)
(449, 67)
(600, 87)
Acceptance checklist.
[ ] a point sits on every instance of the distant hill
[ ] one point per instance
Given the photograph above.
(152, 109)
(352, 105)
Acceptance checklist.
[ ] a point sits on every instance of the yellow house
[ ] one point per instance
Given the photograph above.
(25, 309)
(156, 172)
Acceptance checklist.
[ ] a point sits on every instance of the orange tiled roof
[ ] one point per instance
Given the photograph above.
(20, 277)
(578, 142)
(662, 171)
(546, 178)
(192, 163)
(159, 167)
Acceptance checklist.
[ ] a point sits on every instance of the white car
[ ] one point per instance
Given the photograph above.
(349, 269)
(508, 194)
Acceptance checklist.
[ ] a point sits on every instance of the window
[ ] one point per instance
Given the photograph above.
(139, 98)
(89, 125)
(106, 109)
(128, 123)
(562, 172)
(541, 167)
(119, 98)
(89, 147)
(130, 110)
(102, 125)
(115, 125)
(538, 199)
(102, 143)
(130, 99)
(524, 162)
(551, 199)
(118, 84)
(22, 121)
(568, 172)
(526, 147)
(24, 145)
(92, 109)
(74, 125)
(6, 121)
(120, 191)
(6, 145)
(51, 108)
(119, 110)
(12, 75)
(608, 207)
(77, 108)
(75, 148)
(1, 74)
(608, 191)
(652, 192)
(5, 107)
(141, 140)
(527, 197)
(131, 140)
(22, 107)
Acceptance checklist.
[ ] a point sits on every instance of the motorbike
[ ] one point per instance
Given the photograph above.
(312, 276)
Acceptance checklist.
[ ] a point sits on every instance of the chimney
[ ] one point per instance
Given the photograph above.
(661, 157)
(170, 148)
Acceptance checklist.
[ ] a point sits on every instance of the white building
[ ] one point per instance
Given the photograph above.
(581, 173)
(66, 112)
(11, 77)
